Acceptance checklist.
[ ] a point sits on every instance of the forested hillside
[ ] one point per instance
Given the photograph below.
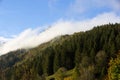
(90, 55)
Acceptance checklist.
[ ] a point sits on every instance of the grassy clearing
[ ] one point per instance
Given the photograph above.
(62, 74)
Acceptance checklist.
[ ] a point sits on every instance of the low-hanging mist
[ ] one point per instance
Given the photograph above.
(31, 38)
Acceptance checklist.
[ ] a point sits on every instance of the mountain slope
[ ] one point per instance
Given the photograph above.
(88, 53)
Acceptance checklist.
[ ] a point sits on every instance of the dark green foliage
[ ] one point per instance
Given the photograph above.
(89, 52)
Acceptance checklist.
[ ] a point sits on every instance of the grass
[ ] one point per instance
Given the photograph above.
(62, 74)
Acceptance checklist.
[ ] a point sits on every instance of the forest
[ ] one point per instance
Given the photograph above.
(89, 55)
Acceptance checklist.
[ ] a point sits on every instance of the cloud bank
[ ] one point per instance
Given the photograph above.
(31, 38)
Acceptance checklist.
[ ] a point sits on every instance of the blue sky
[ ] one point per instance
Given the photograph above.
(18, 15)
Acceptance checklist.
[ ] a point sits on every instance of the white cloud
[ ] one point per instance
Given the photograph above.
(4, 39)
(31, 38)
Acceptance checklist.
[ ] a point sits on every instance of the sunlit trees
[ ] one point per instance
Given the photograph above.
(114, 69)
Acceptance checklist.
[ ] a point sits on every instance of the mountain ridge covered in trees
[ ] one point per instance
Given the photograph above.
(87, 55)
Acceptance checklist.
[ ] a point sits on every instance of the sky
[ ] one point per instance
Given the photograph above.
(29, 23)
(17, 15)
